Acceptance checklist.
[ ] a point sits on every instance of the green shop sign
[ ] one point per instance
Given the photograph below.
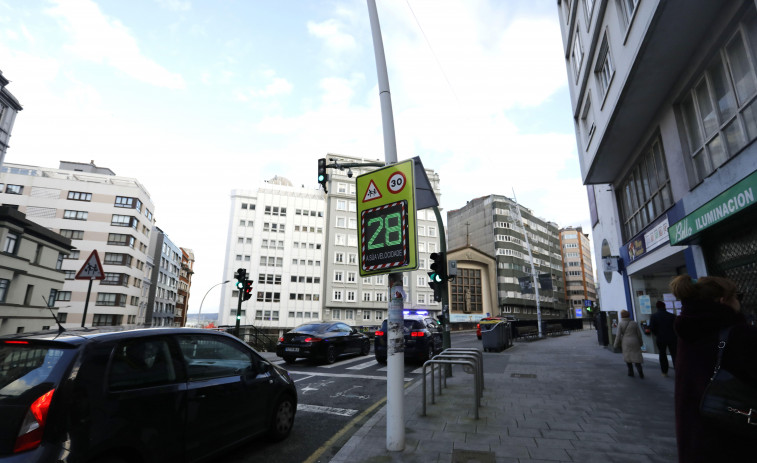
(731, 201)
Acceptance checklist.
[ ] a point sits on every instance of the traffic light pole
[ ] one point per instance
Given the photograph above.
(239, 313)
(395, 414)
(446, 337)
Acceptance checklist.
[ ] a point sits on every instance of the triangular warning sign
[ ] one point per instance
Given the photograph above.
(92, 268)
(371, 193)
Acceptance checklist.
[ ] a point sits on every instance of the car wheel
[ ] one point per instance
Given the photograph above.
(290, 360)
(381, 360)
(331, 355)
(366, 348)
(282, 419)
(430, 351)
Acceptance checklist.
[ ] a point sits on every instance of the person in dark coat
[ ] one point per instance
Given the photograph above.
(661, 325)
(709, 305)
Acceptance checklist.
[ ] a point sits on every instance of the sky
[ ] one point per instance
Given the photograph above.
(194, 98)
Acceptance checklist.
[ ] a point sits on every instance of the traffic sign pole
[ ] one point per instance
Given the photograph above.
(86, 303)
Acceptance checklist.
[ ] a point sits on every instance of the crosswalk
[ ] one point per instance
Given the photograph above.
(360, 364)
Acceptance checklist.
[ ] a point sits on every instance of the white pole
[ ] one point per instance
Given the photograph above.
(395, 358)
(199, 313)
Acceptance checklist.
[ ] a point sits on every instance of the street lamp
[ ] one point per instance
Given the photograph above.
(199, 313)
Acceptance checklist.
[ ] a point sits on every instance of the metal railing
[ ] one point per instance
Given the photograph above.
(470, 358)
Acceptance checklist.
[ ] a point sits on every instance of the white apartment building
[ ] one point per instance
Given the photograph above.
(276, 234)
(363, 301)
(163, 294)
(96, 210)
(9, 107)
(578, 271)
(664, 99)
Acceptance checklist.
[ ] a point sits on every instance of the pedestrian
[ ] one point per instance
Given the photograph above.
(629, 341)
(708, 305)
(661, 325)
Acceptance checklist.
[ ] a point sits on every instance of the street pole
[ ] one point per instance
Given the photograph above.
(446, 337)
(199, 313)
(395, 416)
(534, 275)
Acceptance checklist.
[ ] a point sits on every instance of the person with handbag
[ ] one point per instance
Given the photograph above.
(661, 325)
(708, 305)
(629, 341)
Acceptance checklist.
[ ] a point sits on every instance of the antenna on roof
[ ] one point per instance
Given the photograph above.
(60, 327)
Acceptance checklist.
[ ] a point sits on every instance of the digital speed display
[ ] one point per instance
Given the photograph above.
(384, 236)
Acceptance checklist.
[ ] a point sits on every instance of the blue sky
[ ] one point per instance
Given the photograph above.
(194, 98)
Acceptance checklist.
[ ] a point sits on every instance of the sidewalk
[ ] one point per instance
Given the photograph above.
(562, 399)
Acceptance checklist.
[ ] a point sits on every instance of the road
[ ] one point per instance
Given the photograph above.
(335, 400)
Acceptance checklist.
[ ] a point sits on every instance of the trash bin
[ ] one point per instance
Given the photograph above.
(495, 339)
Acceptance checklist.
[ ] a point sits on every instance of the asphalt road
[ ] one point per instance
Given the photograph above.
(335, 400)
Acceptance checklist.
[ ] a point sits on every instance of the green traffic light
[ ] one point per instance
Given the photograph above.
(320, 178)
(240, 284)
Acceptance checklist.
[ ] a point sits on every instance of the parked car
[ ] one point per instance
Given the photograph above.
(322, 341)
(423, 337)
(147, 395)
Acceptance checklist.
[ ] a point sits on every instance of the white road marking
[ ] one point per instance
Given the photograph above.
(327, 410)
(338, 375)
(341, 362)
(363, 365)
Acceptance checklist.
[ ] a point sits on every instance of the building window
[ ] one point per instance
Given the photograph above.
(337, 296)
(118, 239)
(4, 285)
(14, 189)
(72, 234)
(720, 113)
(63, 296)
(465, 291)
(627, 10)
(645, 192)
(604, 69)
(577, 54)
(11, 242)
(75, 215)
(79, 196)
(132, 203)
(589, 4)
(124, 221)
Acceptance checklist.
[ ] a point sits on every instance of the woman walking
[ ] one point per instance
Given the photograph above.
(709, 304)
(629, 340)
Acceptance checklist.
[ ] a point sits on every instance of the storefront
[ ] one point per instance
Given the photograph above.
(725, 230)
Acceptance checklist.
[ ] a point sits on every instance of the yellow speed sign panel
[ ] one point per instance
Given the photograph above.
(386, 217)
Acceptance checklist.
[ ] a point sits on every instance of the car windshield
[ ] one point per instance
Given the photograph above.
(24, 366)
(409, 325)
(312, 328)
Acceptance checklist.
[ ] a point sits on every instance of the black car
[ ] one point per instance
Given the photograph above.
(148, 395)
(322, 341)
(423, 337)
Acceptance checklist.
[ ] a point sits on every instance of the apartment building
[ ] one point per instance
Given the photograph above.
(663, 97)
(491, 226)
(578, 271)
(276, 234)
(31, 273)
(9, 107)
(163, 295)
(363, 301)
(185, 285)
(96, 210)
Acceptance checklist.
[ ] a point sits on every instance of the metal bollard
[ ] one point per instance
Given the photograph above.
(434, 361)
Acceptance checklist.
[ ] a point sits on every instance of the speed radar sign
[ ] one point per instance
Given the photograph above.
(386, 213)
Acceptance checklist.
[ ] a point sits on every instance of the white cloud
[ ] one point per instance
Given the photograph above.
(175, 5)
(332, 32)
(100, 39)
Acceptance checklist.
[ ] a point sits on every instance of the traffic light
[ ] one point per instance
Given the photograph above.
(241, 276)
(438, 267)
(247, 290)
(323, 177)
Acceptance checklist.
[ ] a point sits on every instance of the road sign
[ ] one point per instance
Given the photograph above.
(386, 212)
(92, 268)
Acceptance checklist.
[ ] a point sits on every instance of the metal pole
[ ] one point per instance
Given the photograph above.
(446, 338)
(199, 313)
(395, 416)
(239, 313)
(86, 303)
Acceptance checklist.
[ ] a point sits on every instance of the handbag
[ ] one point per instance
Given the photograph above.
(728, 402)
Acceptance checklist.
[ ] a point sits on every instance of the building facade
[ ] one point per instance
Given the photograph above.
(663, 97)
(163, 296)
(276, 234)
(185, 286)
(31, 273)
(578, 271)
(9, 107)
(490, 224)
(96, 210)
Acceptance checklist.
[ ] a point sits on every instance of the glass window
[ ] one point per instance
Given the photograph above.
(141, 363)
(11, 241)
(212, 357)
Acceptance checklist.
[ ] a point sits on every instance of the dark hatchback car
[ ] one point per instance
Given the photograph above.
(322, 341)
(148, 395)
(423, 338)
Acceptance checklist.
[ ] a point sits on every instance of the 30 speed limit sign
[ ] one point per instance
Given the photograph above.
(396, 182)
